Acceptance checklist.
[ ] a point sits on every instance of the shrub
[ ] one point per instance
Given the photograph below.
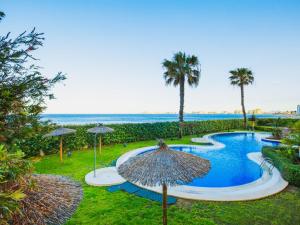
(14, 173)
(265, 128)
(294, 137)
(290, 154)
(124, 133)
(273, 125)
(276, 122)
(285, 163)
(277, 133)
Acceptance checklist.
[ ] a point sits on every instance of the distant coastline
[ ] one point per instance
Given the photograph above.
(67, 119)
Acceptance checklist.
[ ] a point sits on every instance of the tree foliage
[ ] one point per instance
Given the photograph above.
(1, 15)
(14, 179)
(241, 77)
(23, 88)
(182, 67)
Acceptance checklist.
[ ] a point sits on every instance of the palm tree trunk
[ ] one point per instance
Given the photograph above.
(100, 143)
(181, 94)
(95, 154)
(164, 205)
(181, 107)
(243, 106)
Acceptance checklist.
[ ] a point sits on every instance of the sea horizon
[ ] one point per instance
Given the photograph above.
(121, 118)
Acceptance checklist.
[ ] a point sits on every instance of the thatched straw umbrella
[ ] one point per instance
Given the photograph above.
(163, 167)
(100, 129)
(60, 132)
(253, 120)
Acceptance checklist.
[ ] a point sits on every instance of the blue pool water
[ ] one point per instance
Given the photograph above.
(230, 165)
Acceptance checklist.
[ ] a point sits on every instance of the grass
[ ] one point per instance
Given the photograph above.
(102, 207)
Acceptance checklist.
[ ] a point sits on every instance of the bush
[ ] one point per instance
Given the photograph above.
(14, 179)
(277, 133)
(285, 163)
(124, 133)
(276, 122)
(293, 138)
(265, 128)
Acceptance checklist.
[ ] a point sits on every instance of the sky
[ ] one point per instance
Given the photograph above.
(112, 52)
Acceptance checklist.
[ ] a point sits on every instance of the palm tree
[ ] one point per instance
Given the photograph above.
(180, 69)
(1, 15)
(241, 77)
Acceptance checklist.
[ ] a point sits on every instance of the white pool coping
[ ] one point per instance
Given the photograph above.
(271, 140)
(266, 185)
(200, 140)
(104, 177)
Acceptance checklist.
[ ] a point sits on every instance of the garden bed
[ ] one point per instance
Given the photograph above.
(286, 161)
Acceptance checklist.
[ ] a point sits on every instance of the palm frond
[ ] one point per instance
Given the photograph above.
(182, 66)
(241, 76)
(2, 15)
(193, 77)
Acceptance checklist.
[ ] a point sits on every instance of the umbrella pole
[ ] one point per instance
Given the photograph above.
(100, 143)
(95, 155)
(60, 149)
(164, 205)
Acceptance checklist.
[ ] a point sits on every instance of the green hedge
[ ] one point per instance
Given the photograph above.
(285, 122)
(125, 133)
(270, 125)
(289, 170)
(265, 128)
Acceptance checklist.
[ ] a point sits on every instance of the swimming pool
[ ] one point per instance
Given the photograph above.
(235, 174)
(230, 165)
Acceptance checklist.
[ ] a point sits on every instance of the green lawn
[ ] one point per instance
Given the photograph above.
(102, 207)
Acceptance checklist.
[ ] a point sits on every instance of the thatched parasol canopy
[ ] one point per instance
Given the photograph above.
(163, 166)
(100, 130)
(52, 200)
(60, 131)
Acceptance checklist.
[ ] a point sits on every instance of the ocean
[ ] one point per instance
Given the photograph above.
(64, 119)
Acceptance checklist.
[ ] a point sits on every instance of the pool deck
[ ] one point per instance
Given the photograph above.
(104, 177)
(268, 184)
(200, 140)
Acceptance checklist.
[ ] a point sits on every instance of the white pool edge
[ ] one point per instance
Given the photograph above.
(266, 185)
(106, 176)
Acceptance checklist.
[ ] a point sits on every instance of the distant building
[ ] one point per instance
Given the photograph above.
(225, 112)
(255, 111)
(298, 109)
(237, 111)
